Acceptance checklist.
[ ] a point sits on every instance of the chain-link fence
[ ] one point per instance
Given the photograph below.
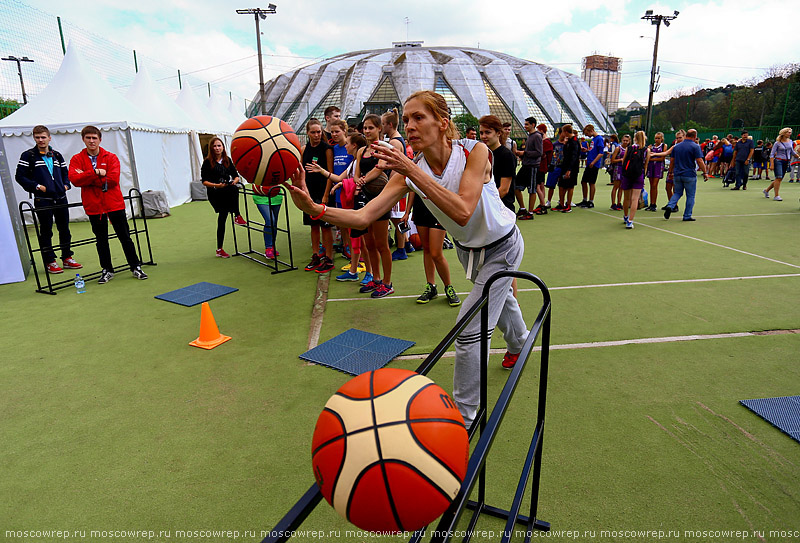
(37, 35)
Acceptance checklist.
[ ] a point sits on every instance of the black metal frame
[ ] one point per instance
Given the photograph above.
(487, 429)
(275, 264)
(52, 286)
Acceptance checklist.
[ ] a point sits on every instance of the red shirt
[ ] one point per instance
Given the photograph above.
(81, 174)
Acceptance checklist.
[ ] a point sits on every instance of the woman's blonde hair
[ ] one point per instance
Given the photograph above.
(391, 117)
(437, 105)
(640, 138)
(784, 133)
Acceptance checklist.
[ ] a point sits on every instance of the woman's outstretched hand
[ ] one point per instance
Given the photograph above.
(299, 193)
(392, 159)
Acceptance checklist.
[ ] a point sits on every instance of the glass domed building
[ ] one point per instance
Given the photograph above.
(474, 81)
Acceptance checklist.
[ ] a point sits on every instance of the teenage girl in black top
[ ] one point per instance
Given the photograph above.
(377, 236)
(221, 179)
(319, 151)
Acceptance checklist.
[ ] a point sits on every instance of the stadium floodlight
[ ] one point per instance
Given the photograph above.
(656, 20)
(19, 71)
(259, 13)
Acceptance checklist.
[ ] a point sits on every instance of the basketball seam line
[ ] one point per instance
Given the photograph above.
(338, 393)
(378, 427)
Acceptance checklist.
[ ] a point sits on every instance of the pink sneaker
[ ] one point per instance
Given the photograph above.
(240, 220)
(270, 253)
(71, 264)
(54, 268)
(222, 254)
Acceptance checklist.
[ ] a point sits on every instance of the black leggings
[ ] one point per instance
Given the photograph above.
(222, 220)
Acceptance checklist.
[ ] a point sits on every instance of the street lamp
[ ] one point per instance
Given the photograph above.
(259, 13)
(656, 20)
(19, 71)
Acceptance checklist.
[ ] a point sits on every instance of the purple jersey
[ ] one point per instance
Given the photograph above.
(655, 170)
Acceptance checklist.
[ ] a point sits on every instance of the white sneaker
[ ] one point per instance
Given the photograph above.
(766, 194)
(778, 199)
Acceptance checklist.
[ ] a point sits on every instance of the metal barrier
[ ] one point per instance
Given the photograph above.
(275, 264)
(486, 429)
(50, 286)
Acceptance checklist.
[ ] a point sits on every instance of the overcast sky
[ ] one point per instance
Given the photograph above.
(710, 44)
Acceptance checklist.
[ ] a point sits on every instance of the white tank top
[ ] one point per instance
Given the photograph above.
(491, 219)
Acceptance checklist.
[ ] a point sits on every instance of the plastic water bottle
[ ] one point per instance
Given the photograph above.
(80, 285)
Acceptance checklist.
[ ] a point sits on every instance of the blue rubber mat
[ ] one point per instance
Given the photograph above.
(356, 352)
(196, 294)
(783, 413)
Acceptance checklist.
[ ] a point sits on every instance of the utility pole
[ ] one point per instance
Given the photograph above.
(259, 13)
(19, 71)
(656, 20)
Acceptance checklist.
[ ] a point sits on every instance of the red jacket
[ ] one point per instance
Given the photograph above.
(81, 174)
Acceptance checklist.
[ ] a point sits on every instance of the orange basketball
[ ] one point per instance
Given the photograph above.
(390, 450)
(415, 240)
(265, 150)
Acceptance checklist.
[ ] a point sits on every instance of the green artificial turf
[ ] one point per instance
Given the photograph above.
(111, 421)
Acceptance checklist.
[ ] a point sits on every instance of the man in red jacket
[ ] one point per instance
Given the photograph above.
(96, 172)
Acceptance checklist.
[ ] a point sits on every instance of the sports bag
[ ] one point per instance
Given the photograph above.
(633, 163)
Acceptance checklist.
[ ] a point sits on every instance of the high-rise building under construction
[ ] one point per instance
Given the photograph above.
(602, 74)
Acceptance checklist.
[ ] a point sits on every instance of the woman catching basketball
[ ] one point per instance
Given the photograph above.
(454, 177)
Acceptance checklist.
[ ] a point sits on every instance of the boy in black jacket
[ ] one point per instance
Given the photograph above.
(42, 172)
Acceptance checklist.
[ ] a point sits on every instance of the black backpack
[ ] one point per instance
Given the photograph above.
(633, 163)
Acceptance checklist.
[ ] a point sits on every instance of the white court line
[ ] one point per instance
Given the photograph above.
(703, 241)
(658, 216)
(600, 285)
(595, 344)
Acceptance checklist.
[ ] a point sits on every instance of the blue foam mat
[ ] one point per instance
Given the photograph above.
(196, 294)
(356, 352)
(783, 413)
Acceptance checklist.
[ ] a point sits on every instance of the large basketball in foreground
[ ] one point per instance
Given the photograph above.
(390, 450)
(265, 150)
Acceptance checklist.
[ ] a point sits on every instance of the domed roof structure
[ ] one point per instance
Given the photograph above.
(474, 81)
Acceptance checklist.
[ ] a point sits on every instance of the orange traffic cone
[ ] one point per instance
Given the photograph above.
(209, 333)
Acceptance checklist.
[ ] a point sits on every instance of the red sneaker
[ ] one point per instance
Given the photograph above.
(54, 268)
(222, 254)
(509, 360)
(269, 252)
(240, 220)
(71, 264)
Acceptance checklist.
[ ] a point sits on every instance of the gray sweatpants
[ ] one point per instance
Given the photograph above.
(504, 312)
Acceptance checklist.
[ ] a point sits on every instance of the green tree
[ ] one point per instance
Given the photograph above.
(464, 121)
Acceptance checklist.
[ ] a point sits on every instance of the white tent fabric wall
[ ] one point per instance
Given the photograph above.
(69, 144)
(165, 164)
(10, 266)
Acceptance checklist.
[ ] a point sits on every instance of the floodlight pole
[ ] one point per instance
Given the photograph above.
(259, 13)
(656, 20)
(19, 71)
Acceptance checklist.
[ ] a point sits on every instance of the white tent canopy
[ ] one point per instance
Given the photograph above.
(153, 154)
(146, 95)
(196, 110)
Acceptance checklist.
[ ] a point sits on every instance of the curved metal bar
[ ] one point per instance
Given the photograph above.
(476, 469)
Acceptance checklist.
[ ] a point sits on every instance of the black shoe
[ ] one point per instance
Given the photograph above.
(138, 273)
(315, 261)
(428, 294)
(452, 297)
(690, 219)
(583, 204)
(325, 265)
(589, 204)
(667, 212)
(735, 188)
(105, 277)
